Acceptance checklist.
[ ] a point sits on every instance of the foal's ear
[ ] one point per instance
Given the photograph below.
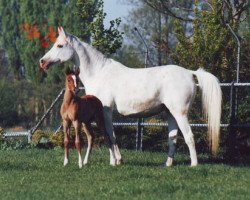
(77, 71)
(68, 71)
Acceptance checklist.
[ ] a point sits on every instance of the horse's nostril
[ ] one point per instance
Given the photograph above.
(41, 61)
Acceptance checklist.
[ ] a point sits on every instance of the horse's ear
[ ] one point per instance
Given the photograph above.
(61, 31)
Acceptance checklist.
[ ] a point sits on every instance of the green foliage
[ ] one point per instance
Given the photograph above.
(8, 106)
(127, 55)
(57, 140)
(9, 32)
(211, 45)
(29, 27)
(39, 32)
(107, 40)
(14, 143)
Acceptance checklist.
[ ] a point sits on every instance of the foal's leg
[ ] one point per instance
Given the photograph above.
(172, 139)
(77, 126)
(115, 156)
(90, 136)
(185, 128)
(66, 129)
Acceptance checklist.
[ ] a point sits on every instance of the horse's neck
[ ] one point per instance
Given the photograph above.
(87, 58)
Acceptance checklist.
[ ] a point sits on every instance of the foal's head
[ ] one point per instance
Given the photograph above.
(71, 83)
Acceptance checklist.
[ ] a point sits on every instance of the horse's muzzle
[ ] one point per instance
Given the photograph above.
(43, 64)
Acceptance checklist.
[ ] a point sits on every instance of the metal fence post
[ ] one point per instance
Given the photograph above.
(46, 113)
(231, 141)
(139, 134)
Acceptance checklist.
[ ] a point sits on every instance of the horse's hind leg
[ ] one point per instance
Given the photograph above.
(115, 156)
(90, 136)
(77, 126)
(185, 128)
(172, 139)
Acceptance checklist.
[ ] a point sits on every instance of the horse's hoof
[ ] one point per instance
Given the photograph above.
(85, 163)
(194, 164)
(169, 162)
(113, 163)
(119, 162)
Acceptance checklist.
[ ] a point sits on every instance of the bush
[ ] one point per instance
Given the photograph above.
(8, 111)
(57, 139)
(40, 139)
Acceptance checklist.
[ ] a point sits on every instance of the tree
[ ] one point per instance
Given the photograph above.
(92, 23)
(3, 65)
(211, 44)
(156, 28)
(9, 32)
(8, 106)
(177, 9)
(28, 29)
(39, 29)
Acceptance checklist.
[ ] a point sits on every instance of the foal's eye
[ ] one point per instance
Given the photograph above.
(60, 46)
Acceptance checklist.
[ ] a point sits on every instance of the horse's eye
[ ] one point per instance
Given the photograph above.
(60, 46)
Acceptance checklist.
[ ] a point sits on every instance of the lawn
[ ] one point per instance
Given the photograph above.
(39, 174)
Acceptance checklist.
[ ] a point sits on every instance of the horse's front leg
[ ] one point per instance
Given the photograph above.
(77, 126)
(90, 136)
(66, 129)
(115, 155)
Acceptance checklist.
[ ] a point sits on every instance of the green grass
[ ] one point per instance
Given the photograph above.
(39, 174)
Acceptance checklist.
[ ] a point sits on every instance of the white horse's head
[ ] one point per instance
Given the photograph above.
(61, 51)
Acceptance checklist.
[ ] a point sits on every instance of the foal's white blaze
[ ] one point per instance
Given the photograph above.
(74, 78)
(141, 91)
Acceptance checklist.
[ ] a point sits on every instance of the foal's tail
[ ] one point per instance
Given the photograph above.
(211, 102)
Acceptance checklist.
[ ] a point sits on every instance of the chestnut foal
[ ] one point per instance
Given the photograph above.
(77, 111)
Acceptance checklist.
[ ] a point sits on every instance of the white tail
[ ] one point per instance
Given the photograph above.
(211, 102)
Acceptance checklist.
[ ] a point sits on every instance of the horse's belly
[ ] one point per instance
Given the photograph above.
(147, 112)
(145, 108)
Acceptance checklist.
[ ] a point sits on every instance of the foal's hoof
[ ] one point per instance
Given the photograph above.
(80, 165)
(169, 162)
(66, 161)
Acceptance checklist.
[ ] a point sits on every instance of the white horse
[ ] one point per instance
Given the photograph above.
(141, 92)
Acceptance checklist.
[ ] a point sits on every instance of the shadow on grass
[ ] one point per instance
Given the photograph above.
(236, 162)
(143, 163)
(243, 161)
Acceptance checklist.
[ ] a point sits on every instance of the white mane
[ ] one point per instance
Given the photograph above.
(91, 53)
